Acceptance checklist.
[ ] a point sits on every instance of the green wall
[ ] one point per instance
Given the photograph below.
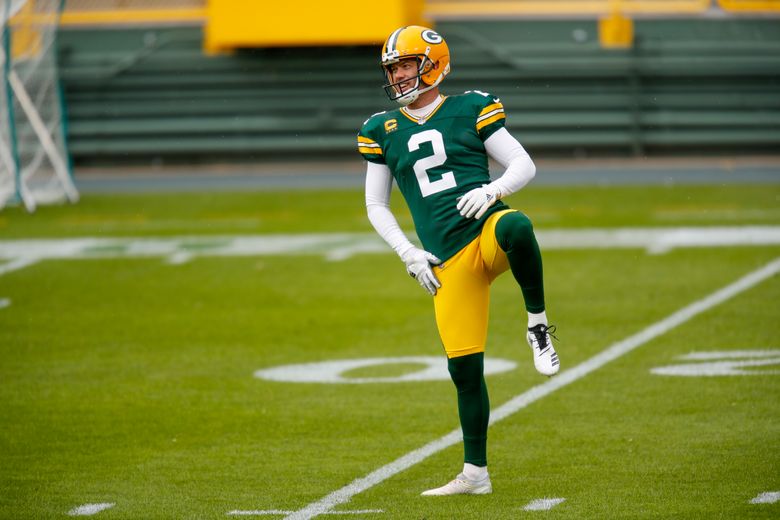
(686, 87)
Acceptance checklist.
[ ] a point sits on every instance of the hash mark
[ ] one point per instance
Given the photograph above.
(543, 504)
(767, 497)
(90, 509)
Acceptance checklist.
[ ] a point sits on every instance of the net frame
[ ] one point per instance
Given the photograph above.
(34, 168)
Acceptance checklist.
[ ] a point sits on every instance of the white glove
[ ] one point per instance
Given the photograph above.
(477, 201)
(418, 265)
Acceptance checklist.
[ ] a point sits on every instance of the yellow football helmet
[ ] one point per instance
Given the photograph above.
(432, 55)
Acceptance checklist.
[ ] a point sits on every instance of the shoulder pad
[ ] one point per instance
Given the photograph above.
(372, 116)
(482, 98)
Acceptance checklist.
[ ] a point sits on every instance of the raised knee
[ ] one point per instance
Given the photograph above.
(513, 228)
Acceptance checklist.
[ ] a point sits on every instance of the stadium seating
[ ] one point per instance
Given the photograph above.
(686, 85)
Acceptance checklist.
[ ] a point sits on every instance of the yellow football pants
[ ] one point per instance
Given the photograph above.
(462, 302)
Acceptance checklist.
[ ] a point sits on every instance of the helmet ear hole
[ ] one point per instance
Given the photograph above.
(430, 72)
(426, 66)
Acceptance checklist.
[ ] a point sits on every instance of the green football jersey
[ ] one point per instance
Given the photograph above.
(435, 161)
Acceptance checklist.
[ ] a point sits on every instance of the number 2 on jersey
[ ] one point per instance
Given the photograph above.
(421, 166)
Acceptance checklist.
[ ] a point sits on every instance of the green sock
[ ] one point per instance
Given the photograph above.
(515, 235)
(473, 405)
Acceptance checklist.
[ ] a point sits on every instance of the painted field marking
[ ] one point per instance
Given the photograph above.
(730, 354)
(724, 363)
(543, 504)
(90, 509)
(21, 253)
(611, 353)
(767, 497)
(435, 369)
(16, 264)
(278, 512)
(5, 302)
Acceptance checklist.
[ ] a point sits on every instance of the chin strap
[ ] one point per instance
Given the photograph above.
(411, 97)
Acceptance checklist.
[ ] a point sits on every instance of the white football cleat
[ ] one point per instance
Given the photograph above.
(545, 357)
(462, 486)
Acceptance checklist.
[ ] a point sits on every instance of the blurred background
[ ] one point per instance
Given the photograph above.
(156, 83)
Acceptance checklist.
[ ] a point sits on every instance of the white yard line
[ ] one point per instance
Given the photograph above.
(341, 246)
(611, 353)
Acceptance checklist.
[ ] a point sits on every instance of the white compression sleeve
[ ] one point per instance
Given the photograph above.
(379, 184)
(509, 153)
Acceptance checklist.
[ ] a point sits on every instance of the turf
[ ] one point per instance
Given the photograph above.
(167, 214)
(129, 381)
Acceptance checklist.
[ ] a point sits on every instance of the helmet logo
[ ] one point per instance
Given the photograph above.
(430, 36)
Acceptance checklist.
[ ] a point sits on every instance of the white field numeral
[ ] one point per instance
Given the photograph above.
(724, 363)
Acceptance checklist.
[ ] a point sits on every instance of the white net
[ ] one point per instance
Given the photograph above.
(7, 161)
(32, 147)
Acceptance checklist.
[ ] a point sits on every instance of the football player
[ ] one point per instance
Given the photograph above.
(436, 148)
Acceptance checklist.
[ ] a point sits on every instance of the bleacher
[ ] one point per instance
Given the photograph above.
(703, 85)
(160, 95)
(684, 85)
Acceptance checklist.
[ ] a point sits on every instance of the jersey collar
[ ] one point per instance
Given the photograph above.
(421, 120)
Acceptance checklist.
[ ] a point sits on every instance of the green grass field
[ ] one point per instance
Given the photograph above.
(127, 379)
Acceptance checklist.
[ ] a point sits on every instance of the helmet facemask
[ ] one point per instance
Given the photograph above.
(395, 91)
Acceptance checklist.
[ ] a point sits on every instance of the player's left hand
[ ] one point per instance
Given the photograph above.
(477, 201)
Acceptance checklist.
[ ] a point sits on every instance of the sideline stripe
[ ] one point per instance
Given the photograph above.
(519, 402)
(20, 253)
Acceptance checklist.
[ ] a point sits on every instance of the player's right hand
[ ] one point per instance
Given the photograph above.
(477, 201)
(418, 265)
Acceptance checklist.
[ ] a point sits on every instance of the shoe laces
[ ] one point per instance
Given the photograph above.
(540, 332)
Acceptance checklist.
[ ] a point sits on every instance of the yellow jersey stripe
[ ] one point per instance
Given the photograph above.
(489, 115)
(362, 139)
(490, 108)
(484, 123)
(375, 151)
